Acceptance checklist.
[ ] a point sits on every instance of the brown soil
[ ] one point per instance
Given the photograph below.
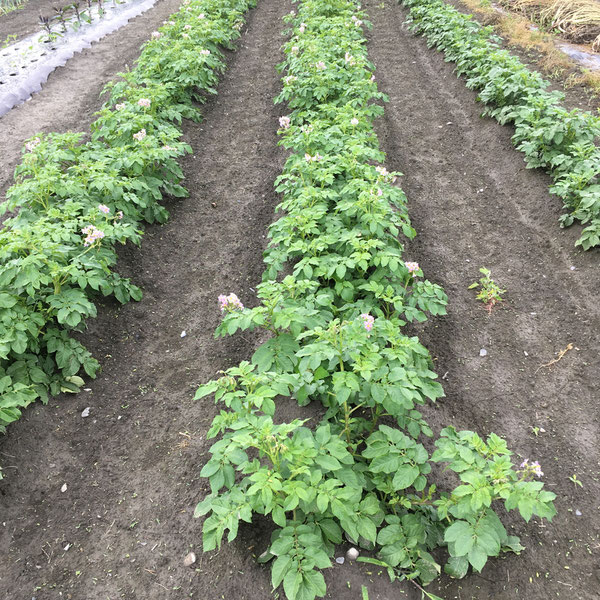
(132, 466)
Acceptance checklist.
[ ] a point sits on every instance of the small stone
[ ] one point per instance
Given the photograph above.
(183, 333)
(340, 560)
(573, 268)
(483, 352)
(85, 412)
(578, 513)
(189, 560)
(525, 353)
(63, 489)
(67, 547)
(352, 554)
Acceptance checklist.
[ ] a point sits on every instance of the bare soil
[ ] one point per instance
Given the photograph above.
(132, 467)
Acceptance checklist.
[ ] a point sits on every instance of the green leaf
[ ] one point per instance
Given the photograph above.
(206, 389)
(278, 515)
(461, 533)
(328, 462)
(315, 584)
(513, 544)
(7, 301)
(332, 530)
(367, 529)
(457, 529)
(457, 566)
(291, 584)
(75, 380)
(477, 557)
(280, 569)
(405, 476)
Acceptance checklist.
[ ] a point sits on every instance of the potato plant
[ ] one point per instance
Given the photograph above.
(76, 201)
(335, 298)
(561, 141)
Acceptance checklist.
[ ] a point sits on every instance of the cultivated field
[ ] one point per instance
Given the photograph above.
(368, 337)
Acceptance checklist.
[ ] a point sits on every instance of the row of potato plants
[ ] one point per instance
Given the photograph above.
(562, 142)
(334, 300)
(76, 201)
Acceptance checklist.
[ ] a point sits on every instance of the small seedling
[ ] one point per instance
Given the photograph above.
(490, 293)
(60, 15)
(46, 25)
(9, 40)
(576, 481)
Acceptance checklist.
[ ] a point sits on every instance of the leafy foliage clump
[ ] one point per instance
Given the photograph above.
(561, 141)
(77, 201)
(336, 323)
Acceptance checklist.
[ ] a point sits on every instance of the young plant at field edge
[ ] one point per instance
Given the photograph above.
(490, 293)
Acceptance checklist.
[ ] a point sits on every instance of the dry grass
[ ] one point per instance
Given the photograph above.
(589, 79)
(576, 19)
(517, 30)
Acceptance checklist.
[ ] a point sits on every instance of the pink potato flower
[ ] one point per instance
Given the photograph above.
(103, 208)
(368, 321)
(140, 135)
(32, 144)
(92, 233)
(412, 267)
(144, 102)
(533, 467)
(229, 303)
(284, 122)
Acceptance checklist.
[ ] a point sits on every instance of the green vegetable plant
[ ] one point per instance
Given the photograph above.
(336, 296)
(551, 137)
(490, 293)
(7, 6)
(75, 202)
